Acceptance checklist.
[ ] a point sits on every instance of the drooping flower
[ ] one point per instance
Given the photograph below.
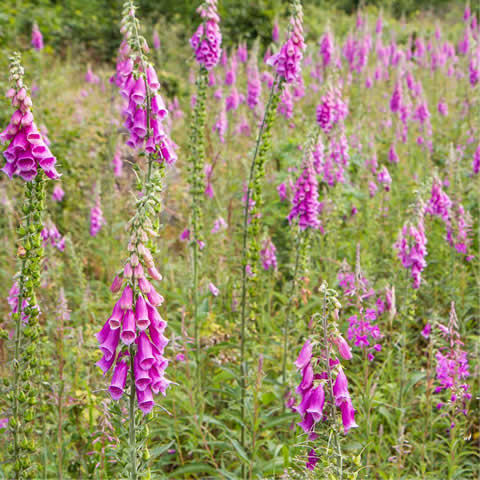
(207, 44)
(439, 204)
(58, 193)
(156, 40)
(476, 161)
(213, 289)
(117, 164)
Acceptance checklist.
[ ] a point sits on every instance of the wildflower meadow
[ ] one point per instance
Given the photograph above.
(239, 240)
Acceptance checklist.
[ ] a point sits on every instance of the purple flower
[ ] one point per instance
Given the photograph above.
(213, 289)
(117, 164)
(219, 224)
(426, 330)
(439, 204)
(156, 40)
(119, 379)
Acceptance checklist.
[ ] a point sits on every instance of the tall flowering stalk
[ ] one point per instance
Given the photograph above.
(304, 213)
(324, 392)
(206, 43)
(287, 69)
(26, 151)
(135, 323)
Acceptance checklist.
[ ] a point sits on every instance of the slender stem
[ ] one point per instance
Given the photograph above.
(131, 433)
(243, 366)
(289, 309)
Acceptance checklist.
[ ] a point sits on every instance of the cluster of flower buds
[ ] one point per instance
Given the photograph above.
(37, 38)
(268, 255)
(135, 320)
(27, 148)
(412, 249)
(207, 40)
(139, 85)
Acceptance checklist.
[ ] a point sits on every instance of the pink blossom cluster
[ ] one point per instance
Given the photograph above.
(50, 234)
(412, 250)
(37, 38)
(305, 204)
(363, 332)
(268, 255)
(452, 366)
(312, 392)
(97, 221)
(287, 62)
(135, 320)
(27, 148)
(207, 40)
(146, 109)
(332, 111)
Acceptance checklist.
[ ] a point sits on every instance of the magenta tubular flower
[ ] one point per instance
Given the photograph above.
(221, 124)
(145, 400)
(109, 345)
(392, 155)
(305, 355)
(343, 347)
(285, 107)
(275, 33)
(37, 38)
(287, 62)
(119, 379)
(128, 334)
(305, 204)
(348, 415)
(207, 44)
(219, 224)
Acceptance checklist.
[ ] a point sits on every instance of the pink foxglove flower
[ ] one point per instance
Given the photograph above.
(96, 218)
(219, 224)
(37, 38)
(58, 193)
(27, 149)
(213, 289)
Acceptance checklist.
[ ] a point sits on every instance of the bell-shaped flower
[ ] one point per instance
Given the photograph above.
(119, 379)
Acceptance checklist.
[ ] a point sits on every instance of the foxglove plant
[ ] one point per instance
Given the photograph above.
(324, 393)
(206, 43)
(135, 327)
(23, 391)
(37, 38)
(287, 64)
(97, 221)
(304, 213)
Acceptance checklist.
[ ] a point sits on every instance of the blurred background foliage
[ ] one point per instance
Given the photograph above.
(91, 25)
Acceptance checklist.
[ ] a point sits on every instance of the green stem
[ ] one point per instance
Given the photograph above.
(291, 299)
(132, 444)
(243, 366)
